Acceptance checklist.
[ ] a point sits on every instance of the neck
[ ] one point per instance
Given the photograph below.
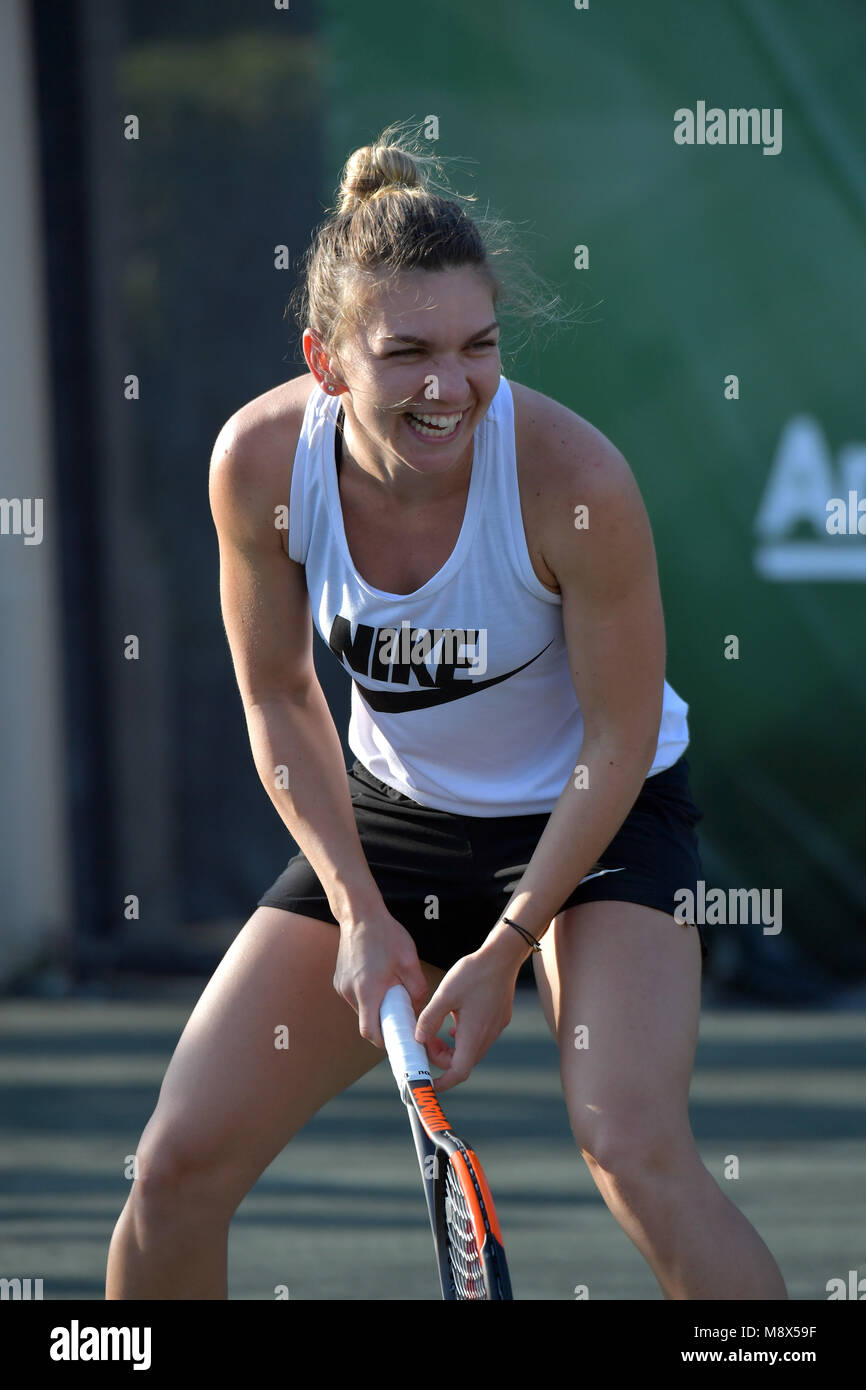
(399, 486)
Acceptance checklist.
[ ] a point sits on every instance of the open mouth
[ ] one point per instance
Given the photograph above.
(434, 426)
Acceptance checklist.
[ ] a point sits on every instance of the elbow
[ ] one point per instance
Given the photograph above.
(622, 746)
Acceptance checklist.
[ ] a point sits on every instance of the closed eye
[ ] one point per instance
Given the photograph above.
(404, 352)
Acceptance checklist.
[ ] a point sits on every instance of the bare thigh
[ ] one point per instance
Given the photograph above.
(232, 1098)
(630, 976)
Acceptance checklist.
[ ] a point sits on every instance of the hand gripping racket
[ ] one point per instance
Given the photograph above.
(466, 1234)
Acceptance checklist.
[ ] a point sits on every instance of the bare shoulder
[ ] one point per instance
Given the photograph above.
(254, 452)
(564, 461)
(557, 444)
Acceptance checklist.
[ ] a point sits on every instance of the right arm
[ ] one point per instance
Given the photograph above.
(268, 624)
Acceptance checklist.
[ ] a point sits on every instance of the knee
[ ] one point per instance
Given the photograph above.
(636, 1153)
(173, 1168)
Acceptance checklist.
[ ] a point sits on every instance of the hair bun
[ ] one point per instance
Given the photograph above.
(374, 168)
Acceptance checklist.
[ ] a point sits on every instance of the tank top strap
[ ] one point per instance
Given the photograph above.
(504, 494)
(306, 482)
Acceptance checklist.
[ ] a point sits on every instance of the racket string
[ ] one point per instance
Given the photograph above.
(464, 1257)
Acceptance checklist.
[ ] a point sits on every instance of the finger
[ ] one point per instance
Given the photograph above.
(439, 1052)
(431, 1018)
(346, 995)
(368, 1022)
(462, 1060)
(451, 1076)
(419, 990)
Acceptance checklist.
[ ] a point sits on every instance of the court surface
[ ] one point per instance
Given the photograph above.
(340, 1214)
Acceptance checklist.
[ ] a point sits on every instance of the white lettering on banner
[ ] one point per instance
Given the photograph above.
(804, 492)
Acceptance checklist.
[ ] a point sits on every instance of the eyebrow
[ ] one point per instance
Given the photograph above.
(422, 342)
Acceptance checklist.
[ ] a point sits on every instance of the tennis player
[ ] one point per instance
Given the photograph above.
(479, 559)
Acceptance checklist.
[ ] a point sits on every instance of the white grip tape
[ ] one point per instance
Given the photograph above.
(408, 1058)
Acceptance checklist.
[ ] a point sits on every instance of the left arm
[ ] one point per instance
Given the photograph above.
(614, 632)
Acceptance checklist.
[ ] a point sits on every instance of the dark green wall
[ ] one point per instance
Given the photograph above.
(704, 261)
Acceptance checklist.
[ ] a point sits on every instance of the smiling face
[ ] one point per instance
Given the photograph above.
(419, 374)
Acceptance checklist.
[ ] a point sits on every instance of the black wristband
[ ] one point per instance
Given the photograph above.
(527, 936)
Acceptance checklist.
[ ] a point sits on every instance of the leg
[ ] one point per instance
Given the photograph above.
(231, 1100)
(631, 974)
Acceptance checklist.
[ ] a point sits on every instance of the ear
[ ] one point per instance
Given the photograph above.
(322, 364)
(317, 358)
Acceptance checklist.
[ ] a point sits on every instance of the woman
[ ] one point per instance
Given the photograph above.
(479, 559)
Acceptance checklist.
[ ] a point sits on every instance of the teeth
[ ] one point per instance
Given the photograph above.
(435, 424)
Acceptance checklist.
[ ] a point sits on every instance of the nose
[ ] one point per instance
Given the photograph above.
(451, 385)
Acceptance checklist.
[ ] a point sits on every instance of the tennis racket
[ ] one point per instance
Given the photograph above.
(466, 1234)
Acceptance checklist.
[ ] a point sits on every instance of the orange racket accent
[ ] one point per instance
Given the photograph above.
(430, 1109)
(467, 1187)
(486, 1194)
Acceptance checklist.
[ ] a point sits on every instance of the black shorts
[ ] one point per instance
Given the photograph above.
(447, 878)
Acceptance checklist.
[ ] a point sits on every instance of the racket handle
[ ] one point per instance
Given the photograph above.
(408, 1058)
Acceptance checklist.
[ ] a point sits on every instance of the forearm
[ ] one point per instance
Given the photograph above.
(299, 758)
(580, 827)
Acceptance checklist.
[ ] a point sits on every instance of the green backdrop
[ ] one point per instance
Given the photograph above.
(704, 261)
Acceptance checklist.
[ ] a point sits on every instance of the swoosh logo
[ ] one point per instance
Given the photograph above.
(519, 869)
(400, 701)
(600, 872)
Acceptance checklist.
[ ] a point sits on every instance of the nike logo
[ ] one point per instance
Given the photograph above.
(599, 873)
(399, 701)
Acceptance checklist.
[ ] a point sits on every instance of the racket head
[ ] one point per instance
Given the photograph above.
(466, 1233)
(474, 1253)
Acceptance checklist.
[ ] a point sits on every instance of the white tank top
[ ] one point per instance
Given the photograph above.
(462, 696)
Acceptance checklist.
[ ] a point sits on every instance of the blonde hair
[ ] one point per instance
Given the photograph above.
(390, 217)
